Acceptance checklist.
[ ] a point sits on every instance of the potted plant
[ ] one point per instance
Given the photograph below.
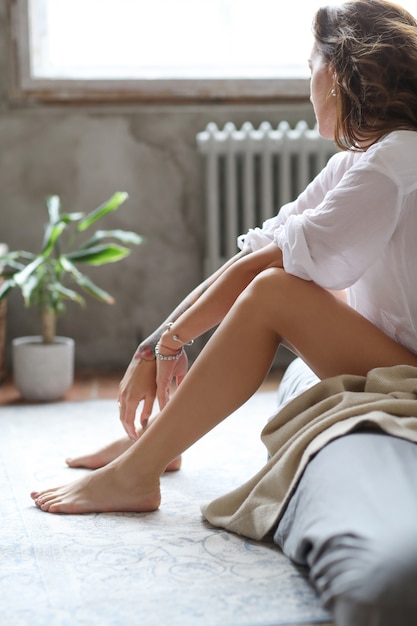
(43, 365)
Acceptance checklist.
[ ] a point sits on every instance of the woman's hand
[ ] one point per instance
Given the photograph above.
(205, 308)
(166, 372)
(137, 385)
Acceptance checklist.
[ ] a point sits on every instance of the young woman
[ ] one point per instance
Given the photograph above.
(352, 231)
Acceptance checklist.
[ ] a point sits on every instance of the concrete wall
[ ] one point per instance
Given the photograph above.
(84, 154)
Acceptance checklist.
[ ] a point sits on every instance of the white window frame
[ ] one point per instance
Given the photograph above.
(26, 87)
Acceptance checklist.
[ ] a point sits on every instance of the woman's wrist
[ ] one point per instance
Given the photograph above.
(162, 353)
(170, 347)
(171, 340)
(166, 343)
(145, 353)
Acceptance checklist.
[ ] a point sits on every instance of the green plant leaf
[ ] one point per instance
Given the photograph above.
(10, 256)
(94, 290)
(86, 283)
(53, 204)
(72, 217)
(99, 255)
(21, 277)
(64, 292)
(9, 268)
(11, 259)
(29, 287)
(107, 207)
(125, 236)
(52, 234)
(43, 277)
(68, 266)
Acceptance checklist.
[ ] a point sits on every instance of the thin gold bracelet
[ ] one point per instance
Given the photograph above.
(176, 338)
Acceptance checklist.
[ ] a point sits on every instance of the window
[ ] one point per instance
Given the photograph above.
(163, 49)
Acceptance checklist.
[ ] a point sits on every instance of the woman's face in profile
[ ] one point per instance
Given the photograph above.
(321, 87)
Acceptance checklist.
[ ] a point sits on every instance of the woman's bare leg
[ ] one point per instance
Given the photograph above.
(101, 457)
(105, 455)
(327, 333)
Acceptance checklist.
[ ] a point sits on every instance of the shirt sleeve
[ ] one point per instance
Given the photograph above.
(334, 243)
(314, 193)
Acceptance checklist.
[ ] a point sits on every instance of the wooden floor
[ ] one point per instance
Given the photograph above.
(87, 386)
(93, 385)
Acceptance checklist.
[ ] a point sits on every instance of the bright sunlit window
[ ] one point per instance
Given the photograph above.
(156, 39)
(141, 44)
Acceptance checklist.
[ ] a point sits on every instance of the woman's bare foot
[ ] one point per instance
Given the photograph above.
(108, 453)
(108, 489)
(101, 457)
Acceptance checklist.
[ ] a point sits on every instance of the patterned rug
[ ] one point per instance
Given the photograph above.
(168, 567)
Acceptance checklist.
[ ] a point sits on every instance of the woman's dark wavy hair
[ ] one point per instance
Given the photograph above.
(372, 46)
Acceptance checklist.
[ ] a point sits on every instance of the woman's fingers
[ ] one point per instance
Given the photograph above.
(127, 417)
(167, 372)
(137, 385)
(146, 411)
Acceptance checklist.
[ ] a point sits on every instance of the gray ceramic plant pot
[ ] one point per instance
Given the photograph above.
(42, 372)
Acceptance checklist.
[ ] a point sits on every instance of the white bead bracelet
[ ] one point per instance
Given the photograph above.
(168, 357)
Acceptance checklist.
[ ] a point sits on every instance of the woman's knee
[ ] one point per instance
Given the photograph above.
(271, 278)
(285, 288)
(263, 292)
(272, 287)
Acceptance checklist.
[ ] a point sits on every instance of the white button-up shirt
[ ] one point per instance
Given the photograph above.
(355, 228)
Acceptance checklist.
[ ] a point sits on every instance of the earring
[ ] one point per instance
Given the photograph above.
(333, 92)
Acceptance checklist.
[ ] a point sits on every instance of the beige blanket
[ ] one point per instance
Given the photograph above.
(385, 399)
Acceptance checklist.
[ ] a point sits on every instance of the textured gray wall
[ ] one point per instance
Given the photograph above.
(84, 154)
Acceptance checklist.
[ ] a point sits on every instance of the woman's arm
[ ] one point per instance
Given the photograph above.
(208, 311)
(139, 381)
(146, 349)
(203, 309)
(212, 305)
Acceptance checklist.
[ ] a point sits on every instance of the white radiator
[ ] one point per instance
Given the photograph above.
(250, 174)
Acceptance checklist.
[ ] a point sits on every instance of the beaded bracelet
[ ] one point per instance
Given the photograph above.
(168, 357)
